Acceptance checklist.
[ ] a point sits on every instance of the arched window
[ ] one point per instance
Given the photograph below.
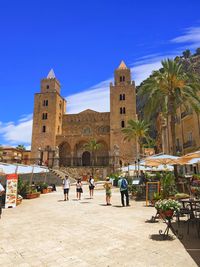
(87, 131)
(122, 124)
(122, 79)
(44, 129)
(44, 116)
(120, 97)
(121, 110)
(123, 97)
(47, 86)
(124, 110)
(45, 103)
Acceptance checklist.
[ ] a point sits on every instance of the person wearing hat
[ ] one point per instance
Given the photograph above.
(2, 190)
(66, 187)
(108, 186)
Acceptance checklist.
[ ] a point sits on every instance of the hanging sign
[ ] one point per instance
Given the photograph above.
(11, 190)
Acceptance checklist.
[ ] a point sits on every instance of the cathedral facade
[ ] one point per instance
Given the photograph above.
(59, 139)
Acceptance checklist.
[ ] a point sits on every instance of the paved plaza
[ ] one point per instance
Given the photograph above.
(50, 232)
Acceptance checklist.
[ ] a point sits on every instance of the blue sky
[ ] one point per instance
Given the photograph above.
(83, 41)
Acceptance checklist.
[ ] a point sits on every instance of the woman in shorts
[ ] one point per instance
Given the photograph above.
(91, 186)
(108, 186)
(79, 189)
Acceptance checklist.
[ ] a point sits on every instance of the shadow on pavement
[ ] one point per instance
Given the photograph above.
(158, 237)
(190, 241)
(118, 206)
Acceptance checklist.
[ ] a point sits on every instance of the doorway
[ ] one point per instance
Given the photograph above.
(86, 158)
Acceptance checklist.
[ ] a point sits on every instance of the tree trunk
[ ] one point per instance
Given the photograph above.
(172, 113)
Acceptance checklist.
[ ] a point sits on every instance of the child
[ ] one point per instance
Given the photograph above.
(79, 189)
(108, 186)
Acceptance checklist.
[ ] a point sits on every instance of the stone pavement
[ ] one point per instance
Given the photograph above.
(50, 232)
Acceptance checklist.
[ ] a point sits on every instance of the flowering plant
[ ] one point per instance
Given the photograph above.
(167, 204)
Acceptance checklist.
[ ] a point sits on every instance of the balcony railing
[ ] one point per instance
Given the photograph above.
(189, 143)
(185, 113)
(78, 161)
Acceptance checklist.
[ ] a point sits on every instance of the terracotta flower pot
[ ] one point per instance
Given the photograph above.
(44, 191)
(32, 195)
(167, 214)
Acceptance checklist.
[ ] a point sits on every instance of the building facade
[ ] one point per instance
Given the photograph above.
(187, 132)
(59, 138)
(14, 155)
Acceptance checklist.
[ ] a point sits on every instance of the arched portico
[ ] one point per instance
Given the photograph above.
(64, 154)
(86, 158)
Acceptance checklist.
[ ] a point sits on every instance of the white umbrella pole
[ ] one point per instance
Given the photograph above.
(31, 178)
(16, 168)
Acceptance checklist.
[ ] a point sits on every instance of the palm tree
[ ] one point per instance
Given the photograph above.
(169, 88)
(21, 147)
(139, 131)
(186, 53)
(93, 146)
(198, 51)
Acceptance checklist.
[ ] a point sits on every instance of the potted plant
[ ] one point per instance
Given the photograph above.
(32, 193)
(167, 207)
(44, 187)
(156, 197)
(168, 188)
(133, 191)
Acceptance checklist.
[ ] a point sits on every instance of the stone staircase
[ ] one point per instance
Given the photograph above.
(61, 174)
(81, 172)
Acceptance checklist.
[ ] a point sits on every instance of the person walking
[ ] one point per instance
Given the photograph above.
(91, 186)
(79, 189)
(66, 187)
(123, 186)
(2, 191)
(108, 185)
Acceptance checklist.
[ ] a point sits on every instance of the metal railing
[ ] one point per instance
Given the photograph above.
(189, 143)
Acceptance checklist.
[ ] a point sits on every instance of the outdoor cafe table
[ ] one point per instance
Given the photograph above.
(191, 202)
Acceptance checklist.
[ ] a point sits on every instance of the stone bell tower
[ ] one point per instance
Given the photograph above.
(49, 107)
(122, 109)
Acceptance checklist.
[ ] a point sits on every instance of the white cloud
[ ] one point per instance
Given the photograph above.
(191, 36)
(17, 133)
(96, 98)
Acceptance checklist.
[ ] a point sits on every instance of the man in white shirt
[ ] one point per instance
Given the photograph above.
(2, 190)
(66, 187)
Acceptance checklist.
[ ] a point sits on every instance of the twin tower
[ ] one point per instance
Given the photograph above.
(61, 136)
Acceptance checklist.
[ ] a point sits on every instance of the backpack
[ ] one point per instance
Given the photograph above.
(124, 184)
